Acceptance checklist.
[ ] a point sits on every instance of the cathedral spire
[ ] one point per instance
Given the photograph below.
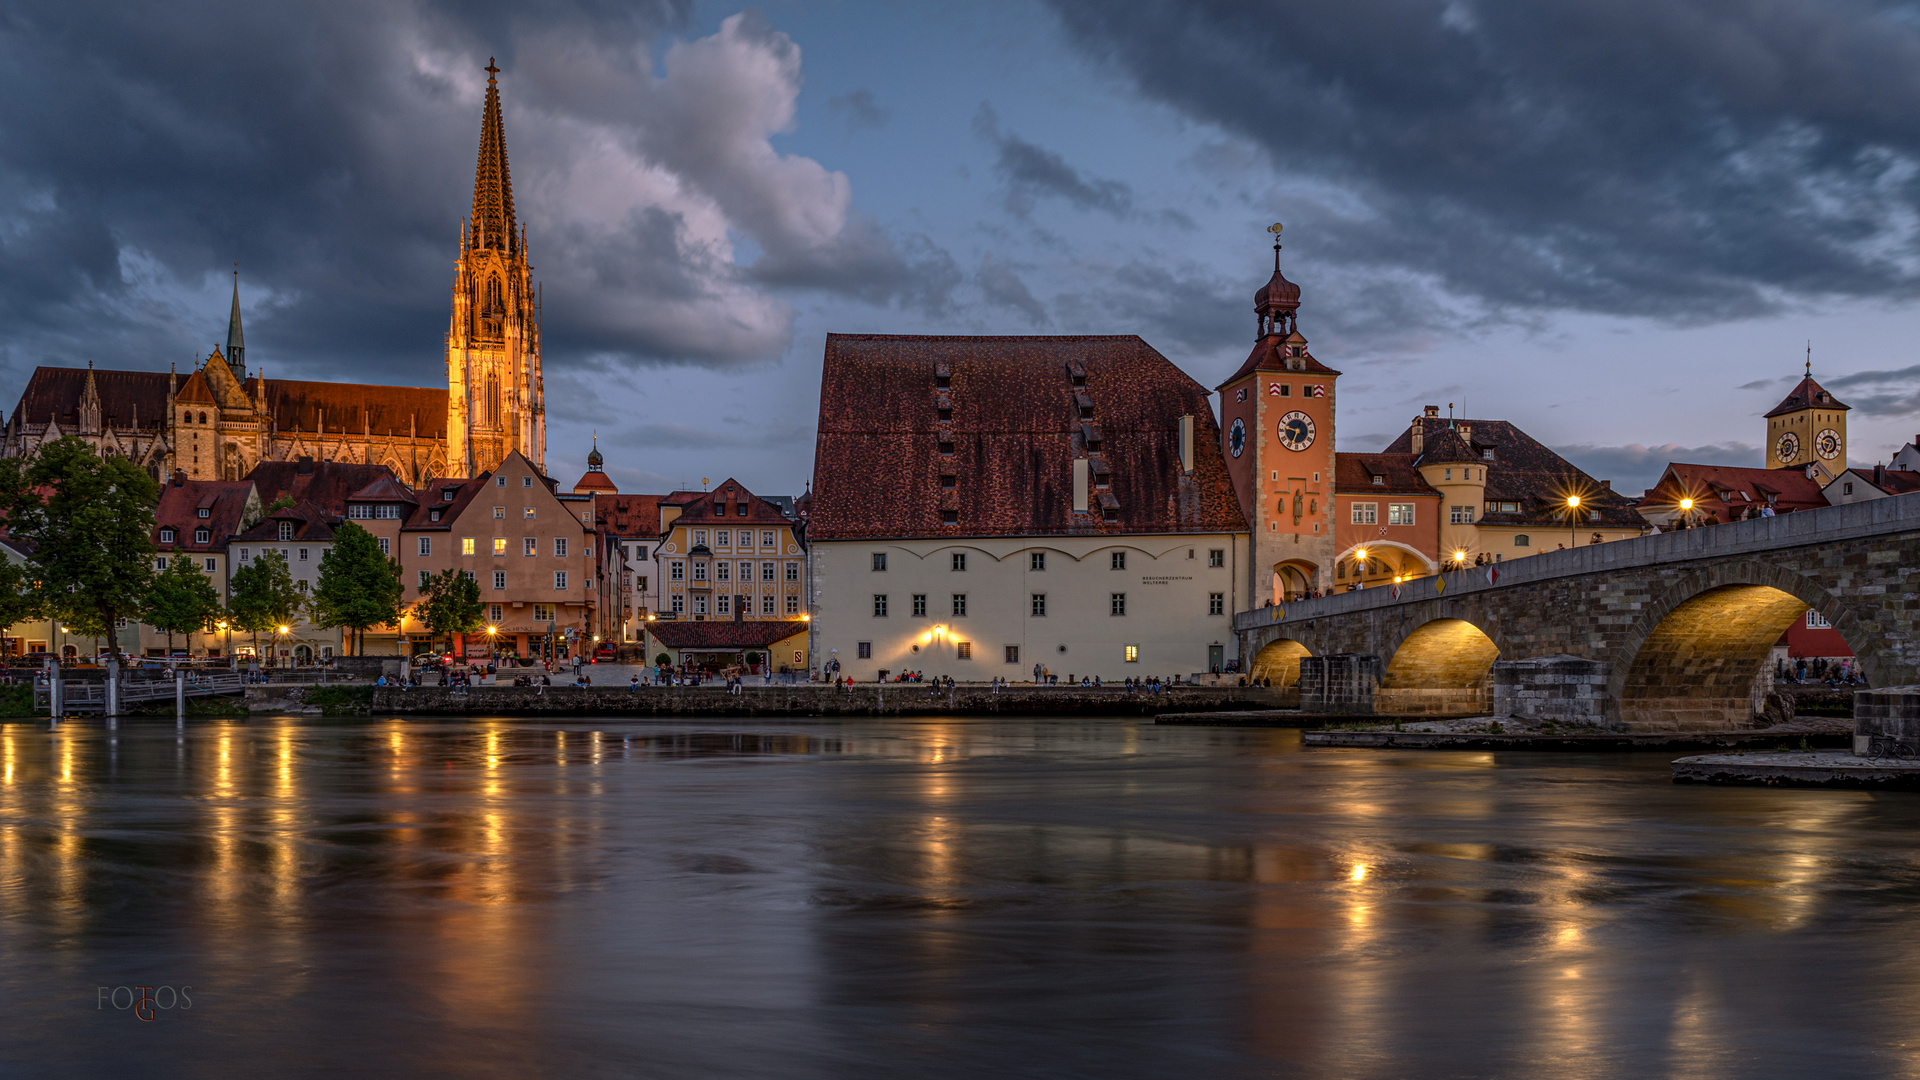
(493, 224)
(236, 342)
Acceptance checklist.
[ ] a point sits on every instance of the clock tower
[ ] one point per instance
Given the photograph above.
(1276, 426)
(1808, 431)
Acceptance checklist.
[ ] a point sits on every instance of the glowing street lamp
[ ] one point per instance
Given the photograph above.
(1573, 516)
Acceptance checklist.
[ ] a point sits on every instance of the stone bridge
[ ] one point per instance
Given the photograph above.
(1666, 631)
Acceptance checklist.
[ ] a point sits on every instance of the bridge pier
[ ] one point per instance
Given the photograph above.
(1565, 689)
(1339, 684)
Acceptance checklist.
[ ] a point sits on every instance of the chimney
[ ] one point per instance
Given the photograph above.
(1433, 410)
(1186, 443)
(303, 465)
(1466, 432)
(1419, 435)
(179, 478)
(1876, 474)
(1606, 485)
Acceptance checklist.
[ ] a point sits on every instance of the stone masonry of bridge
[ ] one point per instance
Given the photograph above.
(1669, 631)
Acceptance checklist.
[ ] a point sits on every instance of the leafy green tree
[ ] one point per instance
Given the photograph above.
(359, 587)
(663, 660)
(262, 596)
(449, 604)
(88, 522)
(181, 599)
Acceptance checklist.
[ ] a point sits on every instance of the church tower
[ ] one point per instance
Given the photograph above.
(496, 401)
(1808, 430)
(1276, 418)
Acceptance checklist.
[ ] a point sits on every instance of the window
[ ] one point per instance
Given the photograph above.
(166, 536)
(793, 605)
(1117, 603)
(742, 510)
(699, 538)
(493, 613)
(723, 538)
(949, 517)
(1400, 513)
(1037, 561)
(676, 570)
(529, 547)
(1487, 454)
(286, 530)
(1593, 515)
(723, 571)
(359, 511)
(1216, 603)
(949, 482)
(447, 494)
(766, 539)
(919, 605)
(864, 649)
(201, 536)
(499, 545)
(205, 512)
(678, 605)
(160, 563)
(303, 554)
(793, 571)
(385, 547)
(959, 560)
(1217, 557)
(1039, 605)
(766, 570)
(526, 512)
(723, 605)
(1449, 474)
(1117, 561)
(963, 650)
(1522, 540)
(699, 571)
(499, 513)
(543, 613)
(560, 579)
(1013, 654)
(387, 512)
(499, 579)
(959, 604)
(301, 584)
(424, 575)
(499, 481)
(1817, 621)
(640, 582)
(433, 515)
(1133, 654)
(879, 560)
(559, 547)
(1365, 513)
(767, 604)
(466, 545)
(243, 553)
(699, 605)
(211, 564)
(1846, 489)
(746, 571)
(879, 605)
(1460, 515)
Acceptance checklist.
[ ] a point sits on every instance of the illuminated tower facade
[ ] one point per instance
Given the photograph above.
(496, 402)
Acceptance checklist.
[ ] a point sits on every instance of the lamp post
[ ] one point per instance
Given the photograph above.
(280, 635)
(1686, 510)
(1360, 561)
(1573, 514)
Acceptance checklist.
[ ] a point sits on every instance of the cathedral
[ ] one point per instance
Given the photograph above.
(220, 421)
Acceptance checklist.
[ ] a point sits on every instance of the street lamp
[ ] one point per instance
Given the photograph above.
(1360, 561)
(1686, 509)
(1573, 513)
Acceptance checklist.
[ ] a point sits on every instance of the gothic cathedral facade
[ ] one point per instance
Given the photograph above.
(496, 401)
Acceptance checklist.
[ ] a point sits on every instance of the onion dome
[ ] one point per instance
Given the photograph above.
(1278, 299)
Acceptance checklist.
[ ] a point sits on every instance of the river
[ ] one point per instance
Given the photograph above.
(966, 898)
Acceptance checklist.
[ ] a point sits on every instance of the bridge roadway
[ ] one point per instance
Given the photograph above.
(1661, 632)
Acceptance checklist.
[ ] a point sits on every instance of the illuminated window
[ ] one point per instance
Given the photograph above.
(529, 547)
(499, 512)
(499, 545)
(527, 513)
(1133, 654)
(466, 545)
(543, 613)
(1400, 513)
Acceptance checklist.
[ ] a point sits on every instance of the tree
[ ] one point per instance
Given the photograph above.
(19, 600)
(449, 604)
(263, 596)
(181, 599)
(359, 587)
(88, 522)
(663, 660)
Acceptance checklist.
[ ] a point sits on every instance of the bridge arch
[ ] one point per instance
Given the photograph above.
(1439, 668)
(1279, 661)
(1696, 657)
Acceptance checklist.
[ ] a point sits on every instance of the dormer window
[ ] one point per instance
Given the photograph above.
(949, 517)
(948, 482)
(433, 515)
(1093, 443)
(205, 512)
(946, 414)
(1079, 379)
(446, 494)
(942, 381)
(1086, 412)
(1379, 480)
(286, 530)
(201, 536)
(946, 448)
(1487, 454)
(166, 536)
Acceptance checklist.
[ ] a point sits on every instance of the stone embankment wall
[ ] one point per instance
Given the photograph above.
(868, 699)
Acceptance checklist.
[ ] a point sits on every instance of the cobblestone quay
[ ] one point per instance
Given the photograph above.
(866, 699)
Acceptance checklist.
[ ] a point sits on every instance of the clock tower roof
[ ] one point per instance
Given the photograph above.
(1445, 447)
(1807, 395)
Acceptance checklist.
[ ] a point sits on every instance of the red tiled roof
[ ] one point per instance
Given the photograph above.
(725, 635)
(54, 393)
(1270, 354)
(179, 509)
(385, 489)
(433, 497)
(1521, 471)
(594, 481)
(1014, 432)
(1354, 473)
(1807, 395)
(310, 523)
(722, 505)
(326, 484)
(631, 516)
(1732, 488)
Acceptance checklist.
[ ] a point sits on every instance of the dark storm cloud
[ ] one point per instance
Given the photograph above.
(1033, 172)
(1880, 393)
(329, 149)
(1685, 159)
(1182, 310)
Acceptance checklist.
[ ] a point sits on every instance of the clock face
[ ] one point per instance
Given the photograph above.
(1237, 437)
(1787, 448)
(1827, 444)
(1296, 431)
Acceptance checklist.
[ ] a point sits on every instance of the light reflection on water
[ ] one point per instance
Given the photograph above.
(932, 898)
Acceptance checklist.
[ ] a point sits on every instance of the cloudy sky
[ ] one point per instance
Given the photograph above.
(1616, 223)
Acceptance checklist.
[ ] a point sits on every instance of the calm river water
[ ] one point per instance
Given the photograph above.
(1098, 898)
